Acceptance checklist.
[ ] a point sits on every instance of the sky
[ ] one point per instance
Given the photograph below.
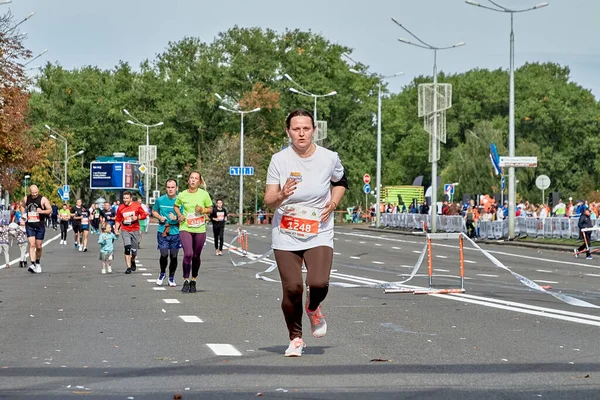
(101, 33)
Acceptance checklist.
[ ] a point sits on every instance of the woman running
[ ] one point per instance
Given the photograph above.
(196, 203)
(305, 183)
(64, 215)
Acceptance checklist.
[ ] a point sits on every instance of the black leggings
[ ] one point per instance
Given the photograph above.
(318, 262)
(64, 226)
(165, 255)
(219, 232)
(586, 243)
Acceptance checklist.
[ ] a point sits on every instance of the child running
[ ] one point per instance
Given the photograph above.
(106, 240)
(16, 232)
(4, 242)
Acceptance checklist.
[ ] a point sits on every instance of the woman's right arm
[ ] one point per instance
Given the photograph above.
(274, 195)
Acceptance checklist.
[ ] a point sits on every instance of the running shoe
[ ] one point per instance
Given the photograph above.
(38, 269)
(103, 271)
(295, 348)
(76, 245)
(575, 253)
(192, 286)
(589, 258)
(318, 326)
(172, 281)
(109, 269)
(84, 249)
(128, 271)
(133, 266)
(80, 248)
(186, 286)
(160, 279)
(31, 268)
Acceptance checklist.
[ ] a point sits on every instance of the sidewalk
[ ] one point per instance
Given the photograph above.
(502, 242)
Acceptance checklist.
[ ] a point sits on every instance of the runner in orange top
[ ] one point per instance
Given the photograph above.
(128, 216)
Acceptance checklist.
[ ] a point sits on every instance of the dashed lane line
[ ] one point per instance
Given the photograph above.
(158, 288)
(171, 301)
(190, 318)
(221, 349)
(378, 262)
(488, 275)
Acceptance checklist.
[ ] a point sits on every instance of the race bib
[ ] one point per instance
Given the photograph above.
(33, 217)
(300, 221)
(128, 217)
(220, 216)
(85, 221)
(194, 221)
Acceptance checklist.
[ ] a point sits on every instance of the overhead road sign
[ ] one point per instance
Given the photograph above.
(518, 162)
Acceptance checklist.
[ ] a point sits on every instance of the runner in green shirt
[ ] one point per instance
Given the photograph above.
(196, 203)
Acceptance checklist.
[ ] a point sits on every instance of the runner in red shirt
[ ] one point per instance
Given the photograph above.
(128, 216)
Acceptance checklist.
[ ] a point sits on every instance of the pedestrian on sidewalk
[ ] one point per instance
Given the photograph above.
(4, 242)
(305, 183)
(585, 222)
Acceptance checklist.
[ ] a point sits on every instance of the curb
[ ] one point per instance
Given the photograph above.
(556, 247)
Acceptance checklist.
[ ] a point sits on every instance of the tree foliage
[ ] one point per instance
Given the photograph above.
(555, 119)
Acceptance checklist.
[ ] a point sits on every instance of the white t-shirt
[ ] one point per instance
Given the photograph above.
(314, 175)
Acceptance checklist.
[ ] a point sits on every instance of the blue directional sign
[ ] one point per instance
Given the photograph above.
(502, 182)
(63, 195)
(448, 189)
(367, 188)
(235, 171)
(66, 188)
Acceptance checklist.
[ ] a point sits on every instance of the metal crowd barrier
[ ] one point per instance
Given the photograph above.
(552, 227)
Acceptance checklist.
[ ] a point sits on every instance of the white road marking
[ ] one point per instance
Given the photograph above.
(355, 258)
(378, 244)
(441, 257)
(396, 248)
(190, 318)
(263, 236)
(488, 275)
(441, 270)
(362, 242)
(147, 274)
(544, 270)
(142, 269)
(151, 280)
(592, 275)
(538, 281)
(407, 266)
(346, 285)
(470, 262)
(138, 264)
(378, 262)
(224, 349)
(337, 254)
(171, 301)
(158, 288)
(416, 252)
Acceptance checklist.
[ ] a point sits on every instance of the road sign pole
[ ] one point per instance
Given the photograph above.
(241, 210)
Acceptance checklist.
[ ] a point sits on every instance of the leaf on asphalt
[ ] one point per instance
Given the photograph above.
(380, 360)
(587, 376)
(162, 358)
(177, 397)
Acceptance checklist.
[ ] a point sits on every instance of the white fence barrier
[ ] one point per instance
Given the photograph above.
(555, 227)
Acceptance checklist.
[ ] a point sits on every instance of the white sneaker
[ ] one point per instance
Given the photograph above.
(172, 282)
(160, 279)
(80, 248)
(32, 269)
(318, 326)
(103, 271)
(109, 269)
(38, 269)
(61, 241)
(295, 348)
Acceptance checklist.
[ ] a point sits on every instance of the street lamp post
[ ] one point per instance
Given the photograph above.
(512, 200)
(241, 113)
(26, 177)
(57, 136)
(434, 141)
(380, 79)
(305, 92)
(178, 176)
(136, 122)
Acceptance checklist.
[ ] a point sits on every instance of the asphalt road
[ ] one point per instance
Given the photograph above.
(71, 332)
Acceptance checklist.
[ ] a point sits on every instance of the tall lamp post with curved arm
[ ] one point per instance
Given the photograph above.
(136, 122)
(512, 199)
(434, 142)
(380, 79)
(241, 113)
